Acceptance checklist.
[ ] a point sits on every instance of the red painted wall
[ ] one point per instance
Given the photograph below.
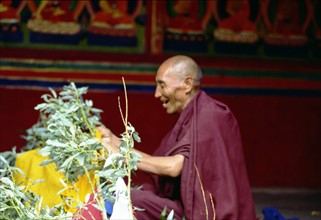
(281, 134)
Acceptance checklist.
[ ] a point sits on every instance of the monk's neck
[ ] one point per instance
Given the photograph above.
(190, 98)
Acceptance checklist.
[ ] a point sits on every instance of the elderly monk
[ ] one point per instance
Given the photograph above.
(198, 170)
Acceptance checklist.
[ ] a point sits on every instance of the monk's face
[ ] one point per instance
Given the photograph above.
(170, 90)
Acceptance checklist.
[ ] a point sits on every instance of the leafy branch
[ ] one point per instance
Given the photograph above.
(75, 148)
(18, 203)
(70, 145)
(66, 132)
(123, 163)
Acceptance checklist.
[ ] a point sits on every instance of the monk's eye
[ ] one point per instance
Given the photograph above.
(161, 85)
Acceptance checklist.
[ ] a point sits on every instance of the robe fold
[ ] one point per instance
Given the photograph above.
(214, 179)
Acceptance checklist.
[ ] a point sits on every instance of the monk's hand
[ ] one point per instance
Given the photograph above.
(110, 141)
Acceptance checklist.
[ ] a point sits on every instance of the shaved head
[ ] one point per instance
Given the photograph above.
(178, 79)
(182, 67)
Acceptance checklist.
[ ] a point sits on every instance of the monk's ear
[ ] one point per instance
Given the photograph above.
(188, 82)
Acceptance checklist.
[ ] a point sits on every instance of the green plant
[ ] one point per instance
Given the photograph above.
(66, 132)
(18, 203)
(123, 163)
(9, 158)
(71, 122)
(170, 215)
(37, 135)
(73, 146)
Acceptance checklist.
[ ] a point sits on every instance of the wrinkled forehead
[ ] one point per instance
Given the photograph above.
(166, 74)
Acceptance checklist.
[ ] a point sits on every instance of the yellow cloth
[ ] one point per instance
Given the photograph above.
(29, 162)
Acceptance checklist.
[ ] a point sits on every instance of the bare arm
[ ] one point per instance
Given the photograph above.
(163, 166)
(159, 165)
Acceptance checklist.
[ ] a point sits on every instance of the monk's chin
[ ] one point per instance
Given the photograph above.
(170, 111)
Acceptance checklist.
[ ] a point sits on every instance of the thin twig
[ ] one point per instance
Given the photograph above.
(126, 100)
(96, 195)
(204, 198)
(82, 111)
(121, 112)
(213, 206)
(125, 121)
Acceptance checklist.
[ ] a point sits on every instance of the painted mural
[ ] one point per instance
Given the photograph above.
(78, 25)
(210, 28)
(259, 28)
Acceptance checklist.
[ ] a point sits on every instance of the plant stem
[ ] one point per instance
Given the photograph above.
(84, 116)
(17, 209)
(203, 192)
(128, 152)
(130, 209)
(96, 195)
(127, 155)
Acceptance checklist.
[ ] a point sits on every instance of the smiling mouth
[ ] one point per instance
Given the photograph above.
(165, 103)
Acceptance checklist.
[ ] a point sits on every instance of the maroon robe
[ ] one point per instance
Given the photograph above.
(207, 134)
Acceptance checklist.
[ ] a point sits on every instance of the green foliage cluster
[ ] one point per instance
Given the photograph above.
(71, 122)
(66, 132)
(18, 203)
(37, 135)
(121, 164)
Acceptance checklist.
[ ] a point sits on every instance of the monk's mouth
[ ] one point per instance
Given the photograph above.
(165, 103)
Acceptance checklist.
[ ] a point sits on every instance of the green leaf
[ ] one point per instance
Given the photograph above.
(83, 90)
(45, 151)
(89, 142)
(163, 214)
(73, 144)
(40, 106)
(136, 137)
(53, 93)
(7, 181)
(120, 173)
(110, 159)
(46, 162)
(81, 159)
(56, 143)
(105, 173)
(73, 108)
(69, 160)
(123, 144)
(46, 97)
(89, 103)
(96, 110)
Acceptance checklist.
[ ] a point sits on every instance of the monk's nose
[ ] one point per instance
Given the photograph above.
(157, 93)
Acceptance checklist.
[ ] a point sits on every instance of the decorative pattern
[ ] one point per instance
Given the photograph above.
(105, 76)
